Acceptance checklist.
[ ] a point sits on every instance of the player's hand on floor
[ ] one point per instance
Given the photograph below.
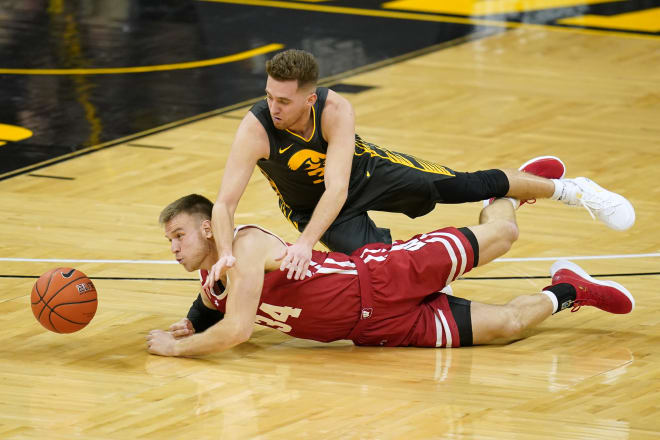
(216, 272)
(182, 328)
(296, 260)
(161, 343)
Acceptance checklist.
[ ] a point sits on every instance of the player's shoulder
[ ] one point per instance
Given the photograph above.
(334, 101)
(252, 133)
(252, 123)
(338, 112)
(255, 243)
(248, 235)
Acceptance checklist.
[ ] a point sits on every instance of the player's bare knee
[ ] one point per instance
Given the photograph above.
(507, 232)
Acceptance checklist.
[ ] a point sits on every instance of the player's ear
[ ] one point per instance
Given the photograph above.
(207, 230)
(311, 99)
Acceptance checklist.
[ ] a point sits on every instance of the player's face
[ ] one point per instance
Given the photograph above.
(287, 103)
(188, 236)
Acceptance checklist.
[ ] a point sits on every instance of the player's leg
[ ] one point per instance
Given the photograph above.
(542, 177)
(351, 234)
(413, 186)
(496, 232)
(571, 287)
(491, 322)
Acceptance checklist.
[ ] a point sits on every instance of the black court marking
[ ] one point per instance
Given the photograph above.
(155, 147)
(91, 115)
(51, 177)
(540, 277)
(530, 277)
(351, 88)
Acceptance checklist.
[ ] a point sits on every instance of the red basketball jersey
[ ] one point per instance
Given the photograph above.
(401, 305)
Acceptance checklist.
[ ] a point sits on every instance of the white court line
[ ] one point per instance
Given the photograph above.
(578, 257)
(59, 260)
(498, 260)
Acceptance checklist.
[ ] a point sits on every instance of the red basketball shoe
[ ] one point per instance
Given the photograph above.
(605, 295)
(550, 167)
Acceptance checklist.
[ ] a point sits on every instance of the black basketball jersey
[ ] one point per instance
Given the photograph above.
(295, 167)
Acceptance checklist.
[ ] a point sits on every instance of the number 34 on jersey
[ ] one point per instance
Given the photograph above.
(278, 316)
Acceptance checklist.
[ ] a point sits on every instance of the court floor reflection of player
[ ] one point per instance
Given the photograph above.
(382, 294)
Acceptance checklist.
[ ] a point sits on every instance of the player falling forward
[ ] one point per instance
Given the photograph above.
(382, 294)
(302, 138)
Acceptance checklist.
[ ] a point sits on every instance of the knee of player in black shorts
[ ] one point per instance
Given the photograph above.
(473, 187)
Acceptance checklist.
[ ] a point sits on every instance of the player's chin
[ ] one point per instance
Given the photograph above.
(187, 266)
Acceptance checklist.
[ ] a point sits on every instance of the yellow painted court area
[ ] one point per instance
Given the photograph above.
(143, 69)
(483, 7)
(647, 21)
(13, 133)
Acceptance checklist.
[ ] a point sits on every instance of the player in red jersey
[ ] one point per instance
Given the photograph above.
(382, 294)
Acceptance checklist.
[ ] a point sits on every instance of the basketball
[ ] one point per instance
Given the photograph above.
(64, 300)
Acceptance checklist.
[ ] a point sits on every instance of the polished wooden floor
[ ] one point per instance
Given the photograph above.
(495, 102)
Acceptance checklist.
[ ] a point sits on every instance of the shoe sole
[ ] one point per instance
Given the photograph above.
(565, 264)
(545, 157)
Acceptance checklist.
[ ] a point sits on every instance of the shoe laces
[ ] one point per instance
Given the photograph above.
(576, 305)
(597, 203)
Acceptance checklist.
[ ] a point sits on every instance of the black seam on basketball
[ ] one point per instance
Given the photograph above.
(65, 286)
(41, 298)
(67, 319)
(46, 304)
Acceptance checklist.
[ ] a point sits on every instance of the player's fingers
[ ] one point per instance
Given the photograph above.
(303, 270)
(286, 262)
(215, 273)
(180, 333)
(292, 269)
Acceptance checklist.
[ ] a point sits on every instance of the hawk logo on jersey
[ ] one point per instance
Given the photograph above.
(313, 161)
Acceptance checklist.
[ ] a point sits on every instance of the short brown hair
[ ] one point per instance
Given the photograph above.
(294, 64)
(190, 204)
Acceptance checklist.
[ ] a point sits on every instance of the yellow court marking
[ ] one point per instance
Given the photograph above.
(13, 133)
(645, 21)
(425, 17)
(143, 69)
(484, 7)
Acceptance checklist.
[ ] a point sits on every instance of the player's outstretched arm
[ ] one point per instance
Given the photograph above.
(250, 145)
(255, 252)
(338, 122)
(201, 316)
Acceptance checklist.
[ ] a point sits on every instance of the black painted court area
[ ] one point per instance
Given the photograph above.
(67, 113)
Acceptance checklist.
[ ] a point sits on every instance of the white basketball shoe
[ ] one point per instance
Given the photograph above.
(611, 208)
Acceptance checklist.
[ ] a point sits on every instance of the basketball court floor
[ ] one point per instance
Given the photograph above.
(112, 109)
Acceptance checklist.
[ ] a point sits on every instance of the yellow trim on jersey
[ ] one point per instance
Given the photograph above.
(422, 165)
(313, 130)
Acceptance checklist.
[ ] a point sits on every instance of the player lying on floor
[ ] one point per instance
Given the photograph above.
(379, 295)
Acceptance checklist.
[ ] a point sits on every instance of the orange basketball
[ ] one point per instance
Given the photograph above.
(64, 300)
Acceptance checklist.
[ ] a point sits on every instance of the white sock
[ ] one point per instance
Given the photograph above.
(553, 298)
(514, 202)
(560, 187)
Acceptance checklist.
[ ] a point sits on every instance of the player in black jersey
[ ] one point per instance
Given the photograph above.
(302, 137)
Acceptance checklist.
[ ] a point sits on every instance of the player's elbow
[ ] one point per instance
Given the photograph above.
(240, 332)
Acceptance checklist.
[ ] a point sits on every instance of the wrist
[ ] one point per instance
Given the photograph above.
(305, 241)
(176, 348)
